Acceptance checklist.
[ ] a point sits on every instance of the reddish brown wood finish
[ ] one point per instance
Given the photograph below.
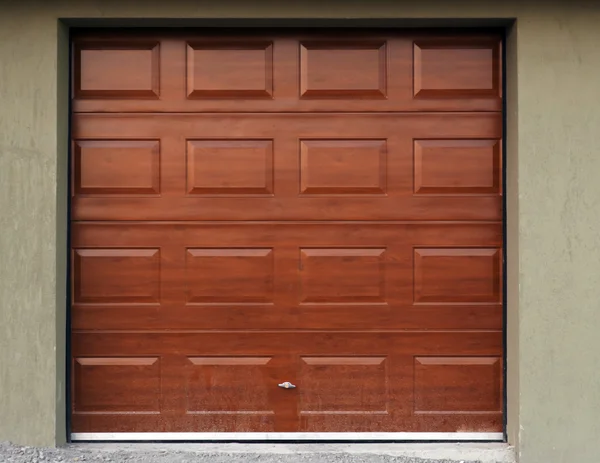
(381, 166)
(317, 208)
(287, 71)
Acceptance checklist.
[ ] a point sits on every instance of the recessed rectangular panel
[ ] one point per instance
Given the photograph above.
(343, 69)
(457, 167)
(123, 385)
(229, 275)
(458, 384)
(333, 167)
(230, 167)
(457, 275)
(456, 69)
(108, 70)
(113, 167)
(116, 276)
(343, 385)
(230, 70)
(228, 385)
(342, 275)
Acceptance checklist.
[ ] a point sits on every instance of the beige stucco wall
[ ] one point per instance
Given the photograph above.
(553, 195)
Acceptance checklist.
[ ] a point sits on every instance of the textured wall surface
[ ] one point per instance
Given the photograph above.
(553, 196)
(32, 293)
(559, 234)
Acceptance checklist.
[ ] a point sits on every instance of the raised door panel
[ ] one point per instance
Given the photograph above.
(216, 385)
(391, 71)
(455, 385)
(343, 70)
(457, 167)
(457, 275)
(231, 167)
(287, 276)
(117, 70)
(344, 392)
(192, 382)
(230, 69)
(288, 167)
(211, 277)
(456, 67)
(230, 393)
(116, 276)
(236, 276)
(116, 167)
(347, 276)
(346, 381)
(343, 167)
(116, 385)
(399, 381)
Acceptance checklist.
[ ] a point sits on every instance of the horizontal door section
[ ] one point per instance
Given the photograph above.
(231, 382)
(289, 275)
(241, 167)
(288, 71)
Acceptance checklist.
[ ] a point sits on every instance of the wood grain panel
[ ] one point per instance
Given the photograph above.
(456, 68)
(302, 167)
(355, 357)
(230, 167)
(458, 167)
(116, 276)
(458, 275)
(343, 69)
(343, 385)
(470, 385)
(342, 275)
(228, 385)
(117, 70)
(116, 167)
(333, 167)
(291, 275)
(230, 275)
(117, 385)
(230, 69)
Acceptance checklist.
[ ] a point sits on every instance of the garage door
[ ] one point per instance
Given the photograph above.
(292, 232)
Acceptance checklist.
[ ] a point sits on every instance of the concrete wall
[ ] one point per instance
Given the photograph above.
(558, 213)
(32, 229)
(553, 196)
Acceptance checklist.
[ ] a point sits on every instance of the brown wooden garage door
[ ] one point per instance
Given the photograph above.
(319, 208)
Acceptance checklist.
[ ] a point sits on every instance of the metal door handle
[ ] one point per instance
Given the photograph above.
(287, 385)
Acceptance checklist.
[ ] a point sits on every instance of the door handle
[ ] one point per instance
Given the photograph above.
(287, 385)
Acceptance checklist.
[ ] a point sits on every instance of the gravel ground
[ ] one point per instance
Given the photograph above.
(10, 453)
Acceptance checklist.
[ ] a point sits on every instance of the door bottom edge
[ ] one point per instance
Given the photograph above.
(287, 436)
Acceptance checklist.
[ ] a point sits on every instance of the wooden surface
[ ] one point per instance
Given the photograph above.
(323, 209)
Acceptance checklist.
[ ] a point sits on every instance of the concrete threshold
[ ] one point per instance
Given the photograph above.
(353, 452)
